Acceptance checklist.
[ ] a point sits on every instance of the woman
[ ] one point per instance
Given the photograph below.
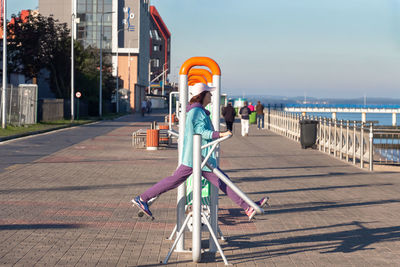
(197, 122)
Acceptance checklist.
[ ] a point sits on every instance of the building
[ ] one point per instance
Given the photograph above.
(126, 28)
(160, 43)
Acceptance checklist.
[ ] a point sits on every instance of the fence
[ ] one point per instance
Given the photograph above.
(387, 145)
(358, 142)
(51, 109)
(21, 104)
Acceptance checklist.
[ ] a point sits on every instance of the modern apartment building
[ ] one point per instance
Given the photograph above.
(126, 28)
(160, 43)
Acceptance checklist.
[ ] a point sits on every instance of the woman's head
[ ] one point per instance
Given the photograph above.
(200, 93)
(199, 98)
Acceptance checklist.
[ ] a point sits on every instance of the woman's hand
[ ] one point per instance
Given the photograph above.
(223, 134)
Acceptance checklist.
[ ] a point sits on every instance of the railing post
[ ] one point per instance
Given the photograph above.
(341, 140)
(196, 205)
(335, 139)
(362, 145)
(320, 134)
(371, 147)
(354, 142)
(347, 140)
(329, 137)
(286, 123)
(324, 135)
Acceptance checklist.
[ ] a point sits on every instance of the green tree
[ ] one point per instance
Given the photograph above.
(87, 75)
(40, 43)
(43, 43)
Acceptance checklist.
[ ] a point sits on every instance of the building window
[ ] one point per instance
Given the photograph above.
(89, 31)
(156, 63)
(107, 5)
(89, 6)
(154, 35)
(100, 6)
(82, 6)
(156, 48)
(107, 33)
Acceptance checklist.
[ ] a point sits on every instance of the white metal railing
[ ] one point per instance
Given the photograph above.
(349, 140)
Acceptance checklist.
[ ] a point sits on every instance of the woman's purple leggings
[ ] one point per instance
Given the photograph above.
(180, 175)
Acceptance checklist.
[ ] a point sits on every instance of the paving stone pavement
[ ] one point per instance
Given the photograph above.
(71, 207)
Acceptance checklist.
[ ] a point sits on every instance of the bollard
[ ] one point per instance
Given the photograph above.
(152, 139)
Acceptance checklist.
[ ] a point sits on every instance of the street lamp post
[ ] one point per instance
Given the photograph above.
(3, 93)
(164, 71)
(101, 65)
(72, 62)
(149, 89)
(117, 83)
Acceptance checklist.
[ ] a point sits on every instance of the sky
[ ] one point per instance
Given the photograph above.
(313, 48)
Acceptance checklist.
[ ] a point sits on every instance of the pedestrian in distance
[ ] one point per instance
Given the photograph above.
(260, 115)
(251, 107)
(229, 114)
(144, 107)
(148, 106)
(197, 122)
(244, 119)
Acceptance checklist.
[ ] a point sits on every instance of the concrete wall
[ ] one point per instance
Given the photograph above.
(129, 77)
(60, 9)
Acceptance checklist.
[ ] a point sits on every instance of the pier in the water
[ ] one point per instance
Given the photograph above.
(334, 109)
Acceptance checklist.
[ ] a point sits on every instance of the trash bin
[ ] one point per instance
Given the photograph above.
(253, 118)
(152, 139)
(308, 133)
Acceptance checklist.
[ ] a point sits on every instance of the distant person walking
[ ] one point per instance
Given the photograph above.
(144, 107)
(148, 106)
(229, 114)
(244, 119)
(260, 115)
(251, 107)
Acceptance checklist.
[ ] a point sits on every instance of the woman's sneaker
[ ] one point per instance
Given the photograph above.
(142, 205)
(250, 212)
(263, 202)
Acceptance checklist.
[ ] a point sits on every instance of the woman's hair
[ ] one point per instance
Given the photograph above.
(198, 98)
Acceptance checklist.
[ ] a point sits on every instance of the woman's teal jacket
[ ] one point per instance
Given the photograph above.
(198, 122)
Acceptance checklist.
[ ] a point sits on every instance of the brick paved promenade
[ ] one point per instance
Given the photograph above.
(71, 207)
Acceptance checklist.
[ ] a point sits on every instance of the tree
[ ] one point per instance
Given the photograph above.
(39, 42)
(87, 62)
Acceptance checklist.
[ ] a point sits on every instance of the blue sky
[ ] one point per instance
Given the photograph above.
(321, 48)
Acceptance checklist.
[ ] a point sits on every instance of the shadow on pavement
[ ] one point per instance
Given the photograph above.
(319, 206)
(342, 241)
(317, 188)
(284, 168)
(330, 174)
(73, 188)
(39, 226)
